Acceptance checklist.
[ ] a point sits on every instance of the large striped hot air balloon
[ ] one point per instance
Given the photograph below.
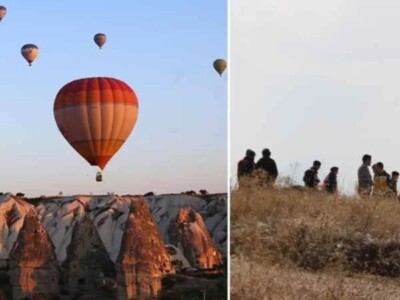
(3, 12)
(96, 116)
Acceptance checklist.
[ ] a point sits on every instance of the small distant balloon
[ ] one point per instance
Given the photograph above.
(3, 12)
(30, 52)
(219, 66)
(100, 39)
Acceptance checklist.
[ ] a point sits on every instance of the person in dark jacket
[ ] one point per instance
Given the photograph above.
(310, 178)
(268, 165)
(246, 166)
(330, 182)
(365, 182)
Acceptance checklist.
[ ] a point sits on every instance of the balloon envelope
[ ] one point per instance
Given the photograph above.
(3, 12)
(219, 65)
(100, 39)
(30, 52)
(96, 116)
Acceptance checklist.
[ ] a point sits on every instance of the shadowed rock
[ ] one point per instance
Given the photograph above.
(179, 262)
(142, 259)
(87, 263)
(181, 287)
(33, 263)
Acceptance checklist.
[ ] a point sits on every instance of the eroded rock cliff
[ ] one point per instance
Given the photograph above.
(33, 263)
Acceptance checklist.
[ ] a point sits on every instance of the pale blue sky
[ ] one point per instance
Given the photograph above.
(316, 79)
(163, 49)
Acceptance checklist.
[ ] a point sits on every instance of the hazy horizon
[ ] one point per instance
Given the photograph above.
(315, 80)
(164, 51)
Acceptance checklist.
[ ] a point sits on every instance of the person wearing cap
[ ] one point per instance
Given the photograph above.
(246, 166)
(375, 169)
(365, 182)
(381, 181)
(310, 178)
(330, 181)
(393, 183)
(267, 164)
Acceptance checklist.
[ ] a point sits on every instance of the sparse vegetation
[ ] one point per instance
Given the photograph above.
(290, 243)
(203, 192)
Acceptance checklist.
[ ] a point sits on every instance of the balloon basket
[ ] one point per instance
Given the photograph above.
(99, 177)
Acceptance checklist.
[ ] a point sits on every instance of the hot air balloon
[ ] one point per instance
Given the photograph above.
(30, 52)
(96, 116)
(219, 66)
(100, 39)
(3, 12)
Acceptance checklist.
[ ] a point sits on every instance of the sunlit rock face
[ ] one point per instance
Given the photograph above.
(87, 264)
(13, 211)
(212, 208)
(33, 263)
(113, 229)
(191, 235)
(84, 230)
(143, 258)
(108, 213)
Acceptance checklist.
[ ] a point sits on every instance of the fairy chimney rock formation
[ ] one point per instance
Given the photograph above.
(33, 262)
(143, 258)
(192, 236)
(87, 263)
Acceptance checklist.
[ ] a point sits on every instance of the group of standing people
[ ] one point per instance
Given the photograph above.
(247, 165)
(311, 179)
(380, 184)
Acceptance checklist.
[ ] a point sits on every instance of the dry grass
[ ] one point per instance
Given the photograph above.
(291, 244)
